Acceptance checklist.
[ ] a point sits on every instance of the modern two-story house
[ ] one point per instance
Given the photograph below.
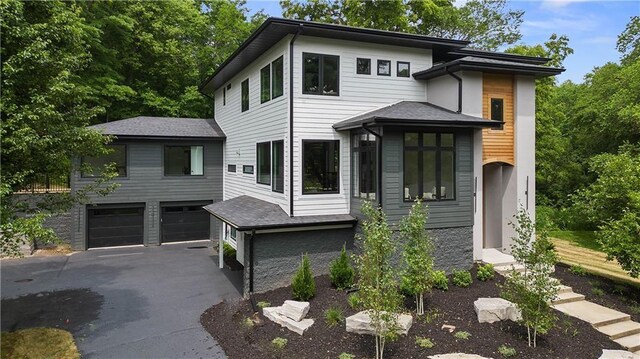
(313, 119)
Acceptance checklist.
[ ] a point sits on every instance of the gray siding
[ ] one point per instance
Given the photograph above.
(145, 183)
(442, 214)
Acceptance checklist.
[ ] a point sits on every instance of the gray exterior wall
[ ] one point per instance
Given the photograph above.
(145, 183)
(277, 255)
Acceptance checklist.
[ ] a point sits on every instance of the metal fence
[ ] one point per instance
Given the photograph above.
(47, 184)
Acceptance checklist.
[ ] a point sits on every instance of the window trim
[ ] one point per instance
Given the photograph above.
(126, 163)
(273, 172)
(320, 74)
(420, 149)
(337, 191)
(370, 148)
(242, 89)
(257, 171)
(164, 174)
(358, 71)
(378, 67)
(408, 68)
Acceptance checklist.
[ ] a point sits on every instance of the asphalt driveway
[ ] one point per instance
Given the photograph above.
(140, 302)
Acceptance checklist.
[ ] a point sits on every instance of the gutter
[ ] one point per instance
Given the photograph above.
(293, 39)
(459, 79)
(378, 163)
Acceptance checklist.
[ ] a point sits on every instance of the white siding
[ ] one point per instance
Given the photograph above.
(268, 121)
(314, 115)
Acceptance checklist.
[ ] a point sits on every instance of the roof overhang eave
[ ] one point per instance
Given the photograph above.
(441, 70)
(383, 121)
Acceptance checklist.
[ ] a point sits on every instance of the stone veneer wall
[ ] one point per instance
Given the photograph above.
(278, 255)
(60, 223)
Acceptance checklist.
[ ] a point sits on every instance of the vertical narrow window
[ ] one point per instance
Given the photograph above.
(244, 98)
(321, 163)
(363, 66)
(320, 74)
(277, 77)
(265, 84)
(364, 166)
(497, 109)
(429, 166)
(403, 69)
(277, 167)
(263, 160)
(197, 161)
(384, 68)
(224, 96)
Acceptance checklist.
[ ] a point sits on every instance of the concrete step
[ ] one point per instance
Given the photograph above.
(631, 342)
(564, 289)
(568, 297)
(592, 313)
(621, 329)
(506, 269)
(496, 257)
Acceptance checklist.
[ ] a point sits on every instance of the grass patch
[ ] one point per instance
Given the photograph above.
(424, 343)
(507, 352)
(584, 239)
(462, 335)
(38, 343)
(333, 316)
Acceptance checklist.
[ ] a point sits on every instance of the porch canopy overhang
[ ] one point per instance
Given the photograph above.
(414, 113)
(475, 63)
(247, 213)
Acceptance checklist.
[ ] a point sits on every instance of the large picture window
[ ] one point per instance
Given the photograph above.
(93, 166)
(183, 161)
(363, 157)
(320, 74)
(429, 166)
(321, 163)
(264, 163)
(277, 165)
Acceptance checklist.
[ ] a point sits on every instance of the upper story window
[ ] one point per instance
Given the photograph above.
(384, 68)
(363, 153)
(320, 74)
(183, 161)
(244, 95)
(117, 155)
(321, 164)
(224, 96)
(363, 66)
(403, 69)
(497, 110)
(263, 161)
(429, 166)
(271, 80)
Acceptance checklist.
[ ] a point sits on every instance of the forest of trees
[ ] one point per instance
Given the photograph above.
(69, 64)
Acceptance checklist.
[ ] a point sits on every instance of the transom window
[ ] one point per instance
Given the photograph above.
(363, 157)
(271, 80)
(183, 161)
(403, 69)
(244, 95)
(429, 166)
(93, 166)
(321, 163)
(363, 66)
(320, 74)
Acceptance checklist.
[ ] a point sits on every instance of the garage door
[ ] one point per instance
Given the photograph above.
(109, 227)
(184, 223)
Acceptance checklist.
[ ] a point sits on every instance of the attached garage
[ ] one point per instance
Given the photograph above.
(184, 222)
(115, 225)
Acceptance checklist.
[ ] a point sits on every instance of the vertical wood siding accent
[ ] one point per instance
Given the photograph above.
(146, 183)
(442, 214)
(498, 145)
(314, 115)
(263, 122)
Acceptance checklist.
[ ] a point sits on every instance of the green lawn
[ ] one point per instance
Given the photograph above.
(584, 239)
(37, 343)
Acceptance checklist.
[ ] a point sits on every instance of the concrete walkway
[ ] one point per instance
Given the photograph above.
(617, 325)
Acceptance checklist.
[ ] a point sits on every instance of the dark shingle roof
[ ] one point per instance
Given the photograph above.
(247, 213)
(415, 113)
(486, 64)
(145, 126)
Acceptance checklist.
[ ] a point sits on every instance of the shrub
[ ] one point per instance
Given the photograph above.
(341, 273)
(432, 314)
(248, 322)
(354, 300)
(506, 351)
(440, 280)
(346, 356)
(461, 278)
(597, 291)
(578, 270)
(303, 285)
(333, 316)
(462, 335)
(228, 251)
(279, 343)
(485, 272)
(424, 343)
(263, 304)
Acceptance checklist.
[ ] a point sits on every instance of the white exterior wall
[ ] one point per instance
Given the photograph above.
(268, 121)
(314, 115)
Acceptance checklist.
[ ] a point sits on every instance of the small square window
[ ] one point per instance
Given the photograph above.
(228, 87)
(403, 69)
(231, 168)
(363, 66)
(384, 68)
(247, 169)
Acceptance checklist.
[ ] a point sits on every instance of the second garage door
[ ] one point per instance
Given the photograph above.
(185, 223)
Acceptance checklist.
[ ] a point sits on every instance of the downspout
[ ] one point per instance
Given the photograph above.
(253, 304)
(213, 102)
(379, 163)
(459, 87)
(295, 36)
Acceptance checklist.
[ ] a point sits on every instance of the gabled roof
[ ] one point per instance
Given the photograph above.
(414, 113)
(246, 213)
(275, 29)
(161, 127)
(474, 63)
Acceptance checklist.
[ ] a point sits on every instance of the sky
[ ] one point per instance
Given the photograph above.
(591, 25)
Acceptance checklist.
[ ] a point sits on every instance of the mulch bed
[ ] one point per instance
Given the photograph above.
(619, 296)
(226, 322)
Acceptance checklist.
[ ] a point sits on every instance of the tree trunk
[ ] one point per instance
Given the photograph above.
(529, 334)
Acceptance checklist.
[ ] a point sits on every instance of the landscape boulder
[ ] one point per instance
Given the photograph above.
(618, 354)
(273, 314)
(294, 309)
(491, 310)
(360, 323)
